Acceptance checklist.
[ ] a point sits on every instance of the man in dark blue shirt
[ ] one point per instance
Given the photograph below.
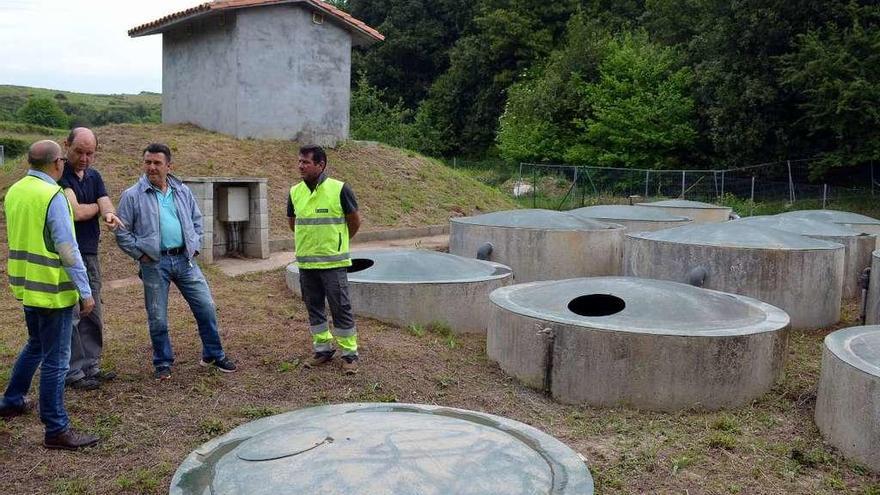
(85, 190)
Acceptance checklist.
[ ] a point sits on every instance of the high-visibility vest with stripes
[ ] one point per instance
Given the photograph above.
(320, 233)
(36, 275)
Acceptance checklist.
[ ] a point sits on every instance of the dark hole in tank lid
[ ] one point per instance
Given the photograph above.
(360, 264)
(596, 305)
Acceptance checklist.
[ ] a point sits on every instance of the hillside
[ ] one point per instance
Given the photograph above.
(395, 188)
(86, 109)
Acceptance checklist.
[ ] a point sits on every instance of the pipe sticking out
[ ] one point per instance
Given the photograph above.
(697, 276)
(484, 252)
(865, 284)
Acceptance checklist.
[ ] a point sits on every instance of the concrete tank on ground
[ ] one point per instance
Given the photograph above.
(872, 308)
(800, 275)
(634, 218)
(848, 397)
(860, 223)
(858, 246)
(650, 344)
(697, 211)
(541, 244)
(383, 449)
(416, 286)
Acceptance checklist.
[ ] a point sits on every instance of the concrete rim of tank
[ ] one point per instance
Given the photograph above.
(802, 226)
(774, 318)
(834, 216)
(575, 475)
(840, 343)
(490, 269)
(647, 214)
(735, 236)
(684, 203)
(579, 224)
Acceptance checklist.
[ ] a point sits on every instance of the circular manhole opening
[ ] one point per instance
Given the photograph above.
(596, 305)
(360, 264)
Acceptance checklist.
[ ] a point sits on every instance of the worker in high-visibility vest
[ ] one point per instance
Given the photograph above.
(47, 274)
(322, 212)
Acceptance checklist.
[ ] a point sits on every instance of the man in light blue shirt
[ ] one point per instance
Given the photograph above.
(162, 229)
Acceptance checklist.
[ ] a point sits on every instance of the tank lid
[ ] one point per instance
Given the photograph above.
(368, 448)
(638, 305)
(535, 219)
(858, 347)
(684, 203)
(800, 225)
(626, 212)
(734, 234)
(833, 216)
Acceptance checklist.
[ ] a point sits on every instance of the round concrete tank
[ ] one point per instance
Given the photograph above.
(634, 218)
(649, 344)
(848, 397)
(801, 275)
(697, 211)
(860, 223)
(417, 286)
(383, 449)
(872, 308)
(858, 246)
(541, 244)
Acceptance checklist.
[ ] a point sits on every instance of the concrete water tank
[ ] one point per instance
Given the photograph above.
(872, 308)
(634, 218)
(383, 449)
(848, 397)
(541, 244)
(858, 222)
(417, 286)
(697, 211)
(649, 344)
(800, 275)
(858, 246)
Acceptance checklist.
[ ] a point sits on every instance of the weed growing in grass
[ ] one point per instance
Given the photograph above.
(440, 328)
(681, 462)
(72, 486)
(256, 412)
(724, 441)
(286, 366)
(372, 393)
(445, 381)
(810, 458)
(6, 351)
(872, 490)
(212, 427)
(416, 330)
(144, 480)
(105, 424)
(727, 424)
(834, 482)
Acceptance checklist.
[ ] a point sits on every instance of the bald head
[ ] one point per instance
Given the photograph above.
(81, 133)
(43, 153)
(80, 145)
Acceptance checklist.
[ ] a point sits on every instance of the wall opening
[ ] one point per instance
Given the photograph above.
(596, 305)
(359, 264)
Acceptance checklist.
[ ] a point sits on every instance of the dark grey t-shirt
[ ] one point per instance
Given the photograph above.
(346, 198)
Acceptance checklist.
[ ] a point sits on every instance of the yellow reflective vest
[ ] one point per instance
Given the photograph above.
(320, 233)
(36, 275)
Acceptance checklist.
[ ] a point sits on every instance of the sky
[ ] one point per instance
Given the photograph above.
(82, 45)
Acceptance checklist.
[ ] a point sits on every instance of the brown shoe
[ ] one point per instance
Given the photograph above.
(69, 440)
(9, 411)
(350, 365)
(318, 359)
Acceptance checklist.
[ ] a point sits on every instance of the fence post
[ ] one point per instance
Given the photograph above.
(682, 184)
(872, 176)
(646, 183)
(534, 187)
(722, 183)
(575, 185)
(824, 195)
(790, 184)
(454, 162)
(753, 189)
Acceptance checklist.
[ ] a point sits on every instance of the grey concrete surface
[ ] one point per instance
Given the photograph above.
(872, 308)
(432, 231)
(858, 246)
(669, 347)
(264, 72)
(848, 397)
(383, 449)
(856, 221)
(541, 244)
(634, 218)
(697, 211)
(416, 286)
(800, 275)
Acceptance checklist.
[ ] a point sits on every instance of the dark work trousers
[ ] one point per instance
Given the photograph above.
(87, 338)
(318, 285)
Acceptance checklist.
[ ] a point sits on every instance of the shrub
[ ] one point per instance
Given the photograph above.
(42, 111)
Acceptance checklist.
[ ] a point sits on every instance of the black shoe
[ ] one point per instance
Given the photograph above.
(104, 376)
(162, 373)
(225, 365)
(319, 358)
(9, 411)
(87, 383)
(69, 440)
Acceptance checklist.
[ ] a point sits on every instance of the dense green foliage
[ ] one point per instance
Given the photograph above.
(42, 111)
(81, 109)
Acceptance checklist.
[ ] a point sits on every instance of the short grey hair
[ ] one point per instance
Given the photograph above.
(43, 153)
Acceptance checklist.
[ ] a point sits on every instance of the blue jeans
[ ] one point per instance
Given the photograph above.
(48, 343)
(186, 275)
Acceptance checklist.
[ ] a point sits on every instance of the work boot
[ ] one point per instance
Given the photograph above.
(69, 440)
(8, 411)
(350, 365)
(104, 376)
(87, 383)
(319, 358)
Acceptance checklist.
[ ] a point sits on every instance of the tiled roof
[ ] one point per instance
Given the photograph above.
(206, 8)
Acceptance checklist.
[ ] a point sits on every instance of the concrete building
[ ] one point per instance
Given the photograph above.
(271, 69)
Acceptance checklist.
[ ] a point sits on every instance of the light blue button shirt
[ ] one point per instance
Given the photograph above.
(169, 224)
(61, 232)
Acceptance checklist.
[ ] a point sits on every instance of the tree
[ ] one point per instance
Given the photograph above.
(374, 120)
(42, 111)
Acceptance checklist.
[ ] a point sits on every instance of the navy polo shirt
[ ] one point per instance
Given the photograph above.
(87, 191)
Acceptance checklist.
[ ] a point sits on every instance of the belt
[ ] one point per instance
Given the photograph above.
(172, 251)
